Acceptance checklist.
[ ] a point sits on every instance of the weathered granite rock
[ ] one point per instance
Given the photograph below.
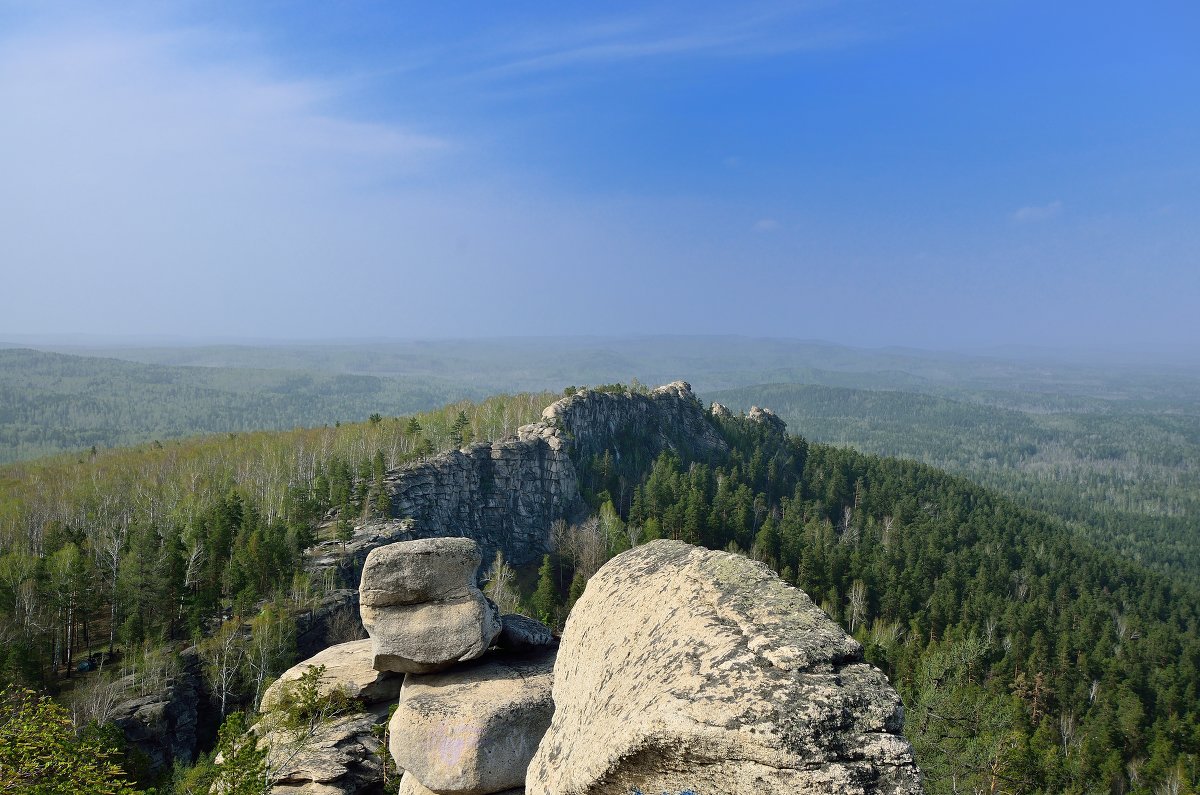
(348, 668)
(473, 729)
(421, 607)
(767, 417)
(682, 668)
(506, 494)
(720, 411)
(518, 632)
(341, 757)
(410, 786)
(412, 572)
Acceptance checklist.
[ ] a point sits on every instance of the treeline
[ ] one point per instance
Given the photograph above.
(51, 403)
(147, 545)
(1027, 660)
(1124, 470)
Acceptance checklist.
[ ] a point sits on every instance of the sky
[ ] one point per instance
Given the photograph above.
(944, 175)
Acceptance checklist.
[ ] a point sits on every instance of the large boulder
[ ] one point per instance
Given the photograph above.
(686, 669)
(472, 730)
(421, 606)
(348, 668)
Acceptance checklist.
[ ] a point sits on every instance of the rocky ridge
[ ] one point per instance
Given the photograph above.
(506, 494)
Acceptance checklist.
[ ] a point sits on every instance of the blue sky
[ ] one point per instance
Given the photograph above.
(943, 175)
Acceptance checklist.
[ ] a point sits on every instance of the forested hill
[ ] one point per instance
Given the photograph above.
(1028, 659)
(50, 402)
(1122, 470)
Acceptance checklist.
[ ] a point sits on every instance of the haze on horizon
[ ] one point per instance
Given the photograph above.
(937, 175)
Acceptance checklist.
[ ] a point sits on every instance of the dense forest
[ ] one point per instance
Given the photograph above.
(1123, 471)
(1028, 659)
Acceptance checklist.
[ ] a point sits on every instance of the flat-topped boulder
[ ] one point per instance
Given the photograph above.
(420, 605)
(684, 669)
(472, 730)
(347, 668)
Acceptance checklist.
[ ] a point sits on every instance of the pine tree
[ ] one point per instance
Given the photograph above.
(545, 598)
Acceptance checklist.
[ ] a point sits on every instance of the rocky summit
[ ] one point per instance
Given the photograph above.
(683, 669)
(507, 493)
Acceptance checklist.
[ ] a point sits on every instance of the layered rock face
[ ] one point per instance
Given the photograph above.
(421, 607)
(506, 494)
(686, 669)
(166, 725)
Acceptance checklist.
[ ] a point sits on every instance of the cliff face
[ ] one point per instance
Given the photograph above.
(506, 494)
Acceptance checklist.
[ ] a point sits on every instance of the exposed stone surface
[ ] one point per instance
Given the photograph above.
(344, 562)
(348, 668)
(342, 756)
(473, 729)
(682, 668)
(506, 494)
(767, 417)
(421, 606)
(412, 572)
(166, 725)
(519, 632)
(410, 786)
(669, 417)
(720, 411)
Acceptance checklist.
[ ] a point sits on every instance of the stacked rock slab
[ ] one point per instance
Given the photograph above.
(421, 606)
(685, 669)
(472, 730)
(341, 755)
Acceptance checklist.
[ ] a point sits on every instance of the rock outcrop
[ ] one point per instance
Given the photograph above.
(768, 418)
(686, 669)
(347, 668)
(521, 633)
(166, 725)
(421, 607)
(506, 494)
(668, 417)
(472, 730)
(340, 755)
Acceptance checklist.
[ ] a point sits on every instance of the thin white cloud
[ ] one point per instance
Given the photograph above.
(1035, 213)
(766, 225)
(727, 31)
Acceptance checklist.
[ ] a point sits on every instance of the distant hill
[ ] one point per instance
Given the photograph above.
(51, 402)
(1124, 468)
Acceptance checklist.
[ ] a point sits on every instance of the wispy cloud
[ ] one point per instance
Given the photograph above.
(1035, 213)
(724, 31)
(766, 225)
